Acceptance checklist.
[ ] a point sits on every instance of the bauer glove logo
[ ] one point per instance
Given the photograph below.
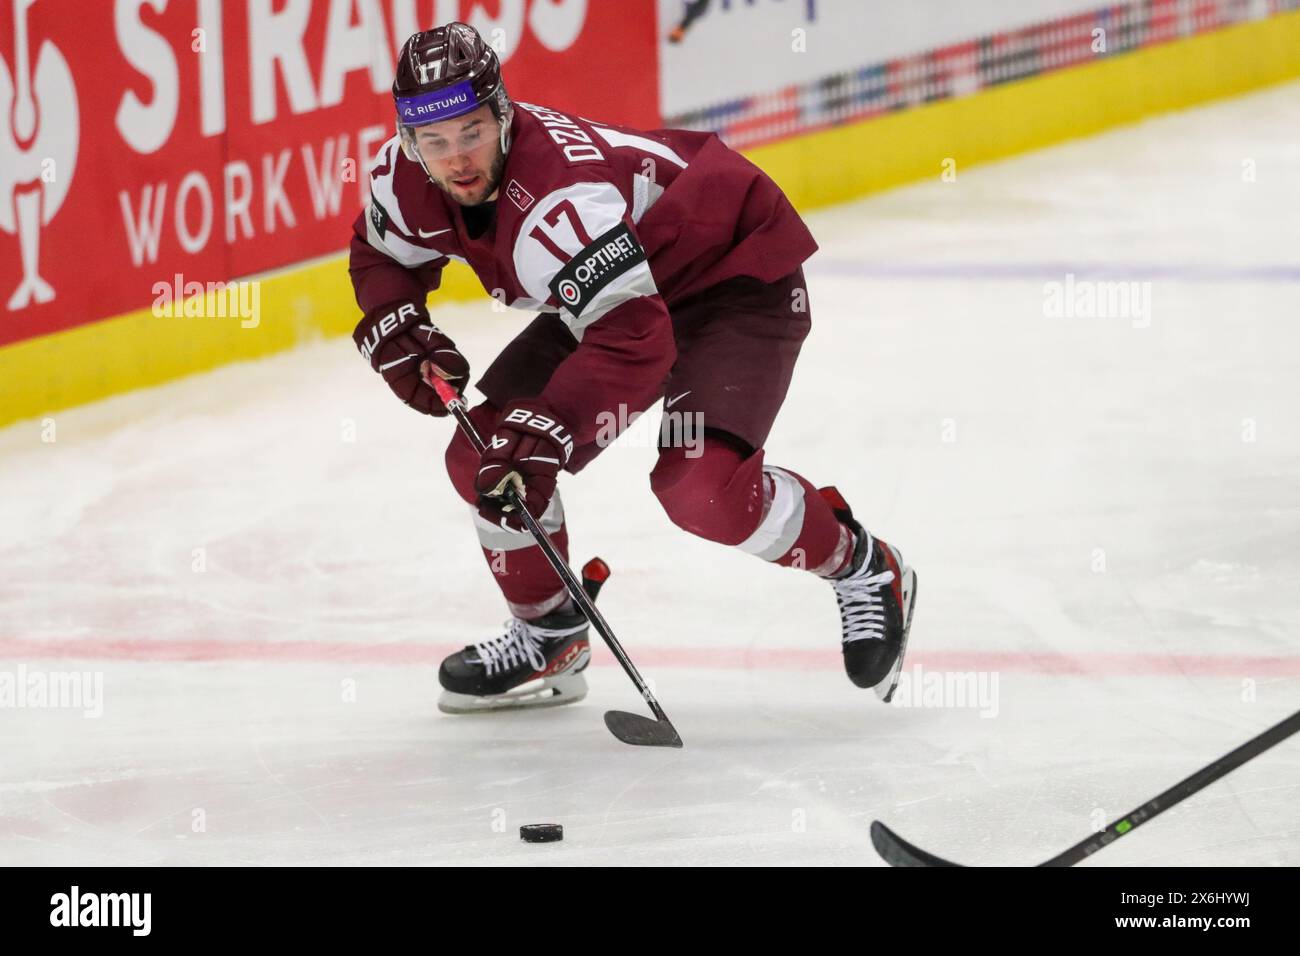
(385, 327)
(544, 424)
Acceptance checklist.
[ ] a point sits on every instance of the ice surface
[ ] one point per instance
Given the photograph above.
(1104, 514)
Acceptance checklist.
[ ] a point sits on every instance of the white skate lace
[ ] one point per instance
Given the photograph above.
(862, 609)
(520, 642)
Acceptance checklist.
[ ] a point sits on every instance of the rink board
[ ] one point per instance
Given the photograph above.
(306, 302)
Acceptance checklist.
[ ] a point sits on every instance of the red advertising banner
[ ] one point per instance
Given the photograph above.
(145, 139)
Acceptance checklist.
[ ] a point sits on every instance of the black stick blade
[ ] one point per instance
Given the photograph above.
(641, 731)
(896, 851)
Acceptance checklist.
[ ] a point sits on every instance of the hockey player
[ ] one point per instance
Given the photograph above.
(661, 265)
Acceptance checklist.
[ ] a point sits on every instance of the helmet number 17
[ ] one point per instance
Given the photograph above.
(436, 66)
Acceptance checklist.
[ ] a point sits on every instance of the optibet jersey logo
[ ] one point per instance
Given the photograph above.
(612, 254)
(39, 126)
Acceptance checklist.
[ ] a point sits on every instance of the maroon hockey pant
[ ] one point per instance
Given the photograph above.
(737, 345)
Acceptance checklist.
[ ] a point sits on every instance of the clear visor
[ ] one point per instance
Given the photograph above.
(442, 140)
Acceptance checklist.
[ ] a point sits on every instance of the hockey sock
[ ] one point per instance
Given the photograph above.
(724, 495)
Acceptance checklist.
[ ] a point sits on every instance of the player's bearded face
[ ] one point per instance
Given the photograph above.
(463, 155)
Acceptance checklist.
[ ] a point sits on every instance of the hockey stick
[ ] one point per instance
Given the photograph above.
(629, 728)
(898, 852)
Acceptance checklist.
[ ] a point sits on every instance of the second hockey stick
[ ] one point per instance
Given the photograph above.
(629, 728)
(898, 852)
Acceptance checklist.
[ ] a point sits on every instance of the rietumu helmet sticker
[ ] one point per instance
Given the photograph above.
(437, 105)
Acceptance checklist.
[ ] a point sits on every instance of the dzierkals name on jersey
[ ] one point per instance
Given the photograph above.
(577, 145)
(609, 256)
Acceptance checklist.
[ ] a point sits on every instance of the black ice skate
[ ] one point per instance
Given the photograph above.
(876, 596)
(534, 664)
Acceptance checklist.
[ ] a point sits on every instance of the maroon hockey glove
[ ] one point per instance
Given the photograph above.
(527, 451)
(396, 340)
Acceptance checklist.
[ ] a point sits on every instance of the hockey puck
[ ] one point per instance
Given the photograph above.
(541, 833)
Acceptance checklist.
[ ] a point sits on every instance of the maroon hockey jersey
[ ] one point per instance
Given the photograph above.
(607, 226)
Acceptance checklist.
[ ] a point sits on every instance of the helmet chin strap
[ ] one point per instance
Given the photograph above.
(504, 122)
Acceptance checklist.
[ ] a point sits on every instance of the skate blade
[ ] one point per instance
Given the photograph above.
(549, 692)
(885, 689)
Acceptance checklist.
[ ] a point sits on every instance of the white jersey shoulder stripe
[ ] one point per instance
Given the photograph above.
(397, 242)
(645, 193)
(381, 184)
(644, 143)
(395, 247)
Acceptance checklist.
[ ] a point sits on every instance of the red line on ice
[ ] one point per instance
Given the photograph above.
(713, 658)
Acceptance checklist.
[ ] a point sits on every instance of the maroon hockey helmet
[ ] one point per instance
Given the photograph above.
(444, 73)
